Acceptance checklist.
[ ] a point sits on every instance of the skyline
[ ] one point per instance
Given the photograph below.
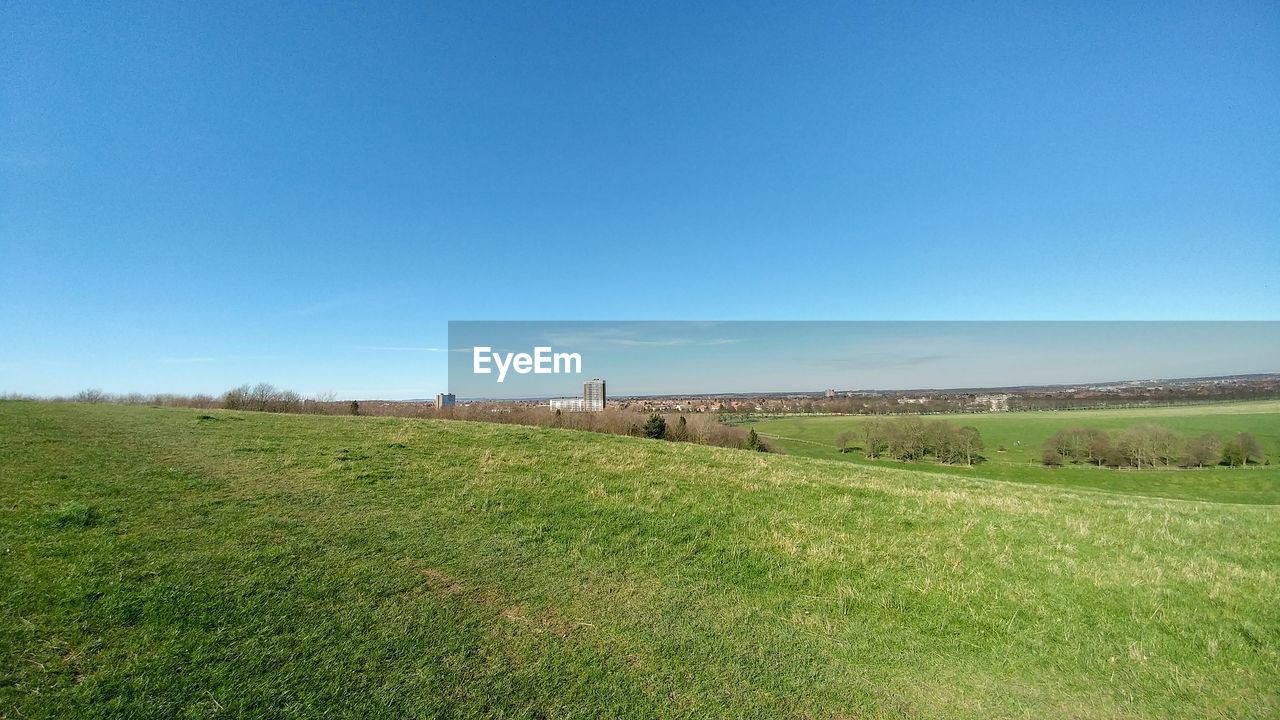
(718, 357)
(872, 391)
(657, 358)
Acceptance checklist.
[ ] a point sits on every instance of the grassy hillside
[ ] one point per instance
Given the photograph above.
(1023, 436)
(174, 563)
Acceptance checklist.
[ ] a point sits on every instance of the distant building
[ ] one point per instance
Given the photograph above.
(566, 404)
(593, 398)
(831, 393)
(997, 403)
(444, 400)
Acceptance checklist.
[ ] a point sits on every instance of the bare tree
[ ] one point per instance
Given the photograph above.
(93, 395)
(843, 441)
(1239, 450)
(1203, 450)
(969, 443)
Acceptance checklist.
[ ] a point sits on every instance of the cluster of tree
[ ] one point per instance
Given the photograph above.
(1016, 401)
(889, 404)
(1148, 446)
(912, 439)
(153, 399)
(697, 429)
(1177, 392)
(263, 397)
(657, 428)
(702, 431)
(742, 408)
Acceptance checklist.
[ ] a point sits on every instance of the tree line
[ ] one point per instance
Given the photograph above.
(742, 409)
(1148, 446)
(657, 428)
(911, 439)
(264, 397)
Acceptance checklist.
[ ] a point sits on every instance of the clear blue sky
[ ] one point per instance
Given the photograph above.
(195, 195)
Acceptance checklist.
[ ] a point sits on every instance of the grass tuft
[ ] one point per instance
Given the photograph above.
(75, 515)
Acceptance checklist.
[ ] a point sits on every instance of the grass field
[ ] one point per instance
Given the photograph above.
(168, 563)
(1023, 436)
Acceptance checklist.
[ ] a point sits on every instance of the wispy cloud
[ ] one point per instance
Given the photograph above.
(625, 337)
(665, 342)
(407, 348)
(590, 337)
(668, 342)
(865, 361)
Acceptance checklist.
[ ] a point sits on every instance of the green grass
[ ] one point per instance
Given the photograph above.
(154, 563)
(1023, 435)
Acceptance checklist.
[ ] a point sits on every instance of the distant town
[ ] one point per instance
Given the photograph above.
(1122, 393)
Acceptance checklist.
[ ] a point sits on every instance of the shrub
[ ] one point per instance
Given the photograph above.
(679, 433)
(656, 427)
(90, 396)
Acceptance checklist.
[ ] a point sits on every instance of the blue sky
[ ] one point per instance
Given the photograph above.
(193, 196)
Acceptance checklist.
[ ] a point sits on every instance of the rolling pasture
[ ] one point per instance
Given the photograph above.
(173, 563)
(1022, 436)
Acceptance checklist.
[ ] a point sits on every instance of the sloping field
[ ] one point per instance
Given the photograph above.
(1022, 436)
(173, 563)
